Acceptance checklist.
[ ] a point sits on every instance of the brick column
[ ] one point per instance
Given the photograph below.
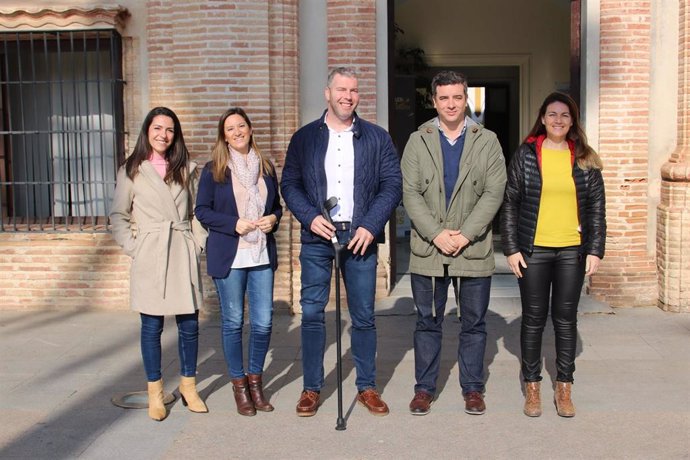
(284, 121)
(673, 225)
(206, 56)
(352, 43)
(628, 274)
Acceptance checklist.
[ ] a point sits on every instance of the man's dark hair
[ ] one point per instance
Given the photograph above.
(448, 77)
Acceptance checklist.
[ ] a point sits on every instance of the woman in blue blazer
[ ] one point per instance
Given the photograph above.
(238, 202)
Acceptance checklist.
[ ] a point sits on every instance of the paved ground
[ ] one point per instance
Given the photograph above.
(59, 370)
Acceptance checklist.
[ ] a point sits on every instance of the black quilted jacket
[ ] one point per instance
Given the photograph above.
(522, 197)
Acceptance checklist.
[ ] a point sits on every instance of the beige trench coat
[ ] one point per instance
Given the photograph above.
(151, 221)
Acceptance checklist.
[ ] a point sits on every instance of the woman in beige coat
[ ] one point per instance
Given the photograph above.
(150, 219)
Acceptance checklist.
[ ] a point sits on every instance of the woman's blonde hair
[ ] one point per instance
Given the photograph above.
(220, 156)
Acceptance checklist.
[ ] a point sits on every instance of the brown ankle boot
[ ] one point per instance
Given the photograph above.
(564, 405)
(257, 393)
(189, 395)
(245, 406)
(156, 407)
(532, 399)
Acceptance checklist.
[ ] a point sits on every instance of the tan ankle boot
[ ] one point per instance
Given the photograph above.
(532, 399)
(245, 406)
(156, 407)
(257, 393)
(564, 405)
(190, 397)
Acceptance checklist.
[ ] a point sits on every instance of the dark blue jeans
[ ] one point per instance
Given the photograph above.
(553, 276)
(187, 343)
(257, 282)
(474, 302)
(359, 275)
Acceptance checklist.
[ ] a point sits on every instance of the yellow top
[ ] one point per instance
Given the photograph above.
(557, 223)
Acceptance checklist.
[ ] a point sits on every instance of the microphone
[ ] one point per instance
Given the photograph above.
(326, 208)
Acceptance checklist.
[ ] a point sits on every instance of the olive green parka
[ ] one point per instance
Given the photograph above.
(474, 202)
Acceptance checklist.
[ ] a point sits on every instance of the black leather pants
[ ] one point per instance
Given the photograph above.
(555, 276)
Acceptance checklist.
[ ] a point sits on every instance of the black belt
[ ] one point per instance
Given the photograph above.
(341, 226)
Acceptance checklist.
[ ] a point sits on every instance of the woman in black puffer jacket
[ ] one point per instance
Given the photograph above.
(554, 230)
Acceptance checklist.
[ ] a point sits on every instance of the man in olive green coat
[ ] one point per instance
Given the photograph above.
(453, 181)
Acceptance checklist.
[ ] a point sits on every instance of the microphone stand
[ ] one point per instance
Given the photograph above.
(326, 211)
(340, 423)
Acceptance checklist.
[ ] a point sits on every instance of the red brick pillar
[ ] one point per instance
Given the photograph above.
(673, 225)
(284, 121)
(352, 43)
(205, 57)
(628, 274)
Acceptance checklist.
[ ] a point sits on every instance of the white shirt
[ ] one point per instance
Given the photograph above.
(340, 173)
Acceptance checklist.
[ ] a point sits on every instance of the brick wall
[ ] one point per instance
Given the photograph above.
(206, 56)
(352, 43)
(203, 57)
(628, 275)
(63, 271)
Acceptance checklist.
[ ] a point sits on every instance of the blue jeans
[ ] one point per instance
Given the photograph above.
(257, 282)
(474, 302)
(359, 275)
(187, 344)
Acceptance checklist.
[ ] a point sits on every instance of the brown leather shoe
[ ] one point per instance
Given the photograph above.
(245, 405)
(308, 403)
(421, 403)
(532, 399)
(371, 399)
(474, 403)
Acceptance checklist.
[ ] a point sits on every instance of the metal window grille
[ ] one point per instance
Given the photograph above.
(62, 124)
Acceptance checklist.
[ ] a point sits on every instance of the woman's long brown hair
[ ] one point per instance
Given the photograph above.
(585, 155)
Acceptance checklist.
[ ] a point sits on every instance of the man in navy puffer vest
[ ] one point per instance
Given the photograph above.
(344, 156)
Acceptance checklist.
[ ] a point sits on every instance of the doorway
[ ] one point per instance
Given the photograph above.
(513, 70)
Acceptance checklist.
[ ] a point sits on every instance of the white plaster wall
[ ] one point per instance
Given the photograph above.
(313, 55)
(495, 27)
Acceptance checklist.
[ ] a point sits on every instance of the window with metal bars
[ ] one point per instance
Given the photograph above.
(62, 129)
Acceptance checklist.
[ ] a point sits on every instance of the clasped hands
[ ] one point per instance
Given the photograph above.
(265, 224)
(358, 244)
(450, 242)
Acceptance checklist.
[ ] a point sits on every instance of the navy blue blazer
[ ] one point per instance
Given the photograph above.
(216, 209)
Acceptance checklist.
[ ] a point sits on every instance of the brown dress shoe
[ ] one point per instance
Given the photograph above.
(308, 403)
(421, 403)
(564, 405)
(245, 405)
(474, 403)
(532, 399)
(371, 399)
